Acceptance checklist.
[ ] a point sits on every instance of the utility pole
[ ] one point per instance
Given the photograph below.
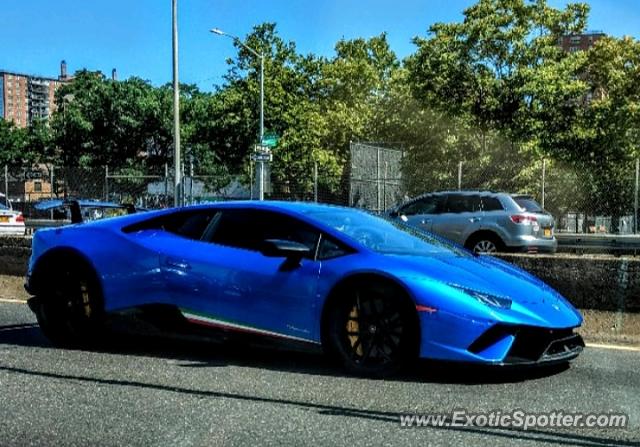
(544, 179)
(315, 181)
(261, 183)
(106, 183)
(635, 207)
(6, 186)
(177, 181)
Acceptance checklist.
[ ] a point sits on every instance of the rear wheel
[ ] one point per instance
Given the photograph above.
(485, 244)
(69, 306)
(373, 331)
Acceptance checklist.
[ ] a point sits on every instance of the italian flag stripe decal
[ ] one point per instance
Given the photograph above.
(206, 320)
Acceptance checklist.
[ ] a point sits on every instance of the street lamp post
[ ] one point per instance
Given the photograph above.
(177, 191)
(260, 56)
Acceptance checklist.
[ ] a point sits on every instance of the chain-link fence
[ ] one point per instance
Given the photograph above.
(378, 177)
(375, 176)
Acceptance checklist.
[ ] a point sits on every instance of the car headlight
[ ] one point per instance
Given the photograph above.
(486, 298)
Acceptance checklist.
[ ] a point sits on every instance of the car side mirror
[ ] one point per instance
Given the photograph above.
(279, 248)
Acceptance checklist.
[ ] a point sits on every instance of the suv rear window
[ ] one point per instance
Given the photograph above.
(528, 204)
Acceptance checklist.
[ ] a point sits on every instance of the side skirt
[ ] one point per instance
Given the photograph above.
(171, 321)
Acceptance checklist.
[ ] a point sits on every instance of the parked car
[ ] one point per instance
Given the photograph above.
(371, 291)
(84, 210)
(482, 221)
(11, 221)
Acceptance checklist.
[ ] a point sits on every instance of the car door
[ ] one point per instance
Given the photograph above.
(461, 216)
(422, 212)
(193, 273)
(259, 293)
(170, 266)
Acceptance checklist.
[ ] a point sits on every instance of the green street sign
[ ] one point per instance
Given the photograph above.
(270, 139)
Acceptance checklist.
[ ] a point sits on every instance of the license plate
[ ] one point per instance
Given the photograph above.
(547, 232)
(4, 219)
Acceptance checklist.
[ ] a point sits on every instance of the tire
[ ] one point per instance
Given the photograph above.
(373, 331)
(485, 244)
(69, 306)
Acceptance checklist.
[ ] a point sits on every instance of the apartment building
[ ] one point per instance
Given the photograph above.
(25, 98)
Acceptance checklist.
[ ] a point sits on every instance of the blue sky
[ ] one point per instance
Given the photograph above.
(134, 36)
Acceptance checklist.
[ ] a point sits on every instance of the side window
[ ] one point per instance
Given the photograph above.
(426, 205)
(459, 203)
(329, 249)
(491, 204)
(188, 224)
(193, 225)
(249, 228)
(474, 204)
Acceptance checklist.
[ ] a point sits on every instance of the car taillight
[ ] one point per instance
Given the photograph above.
(19, 218)
(524, 220)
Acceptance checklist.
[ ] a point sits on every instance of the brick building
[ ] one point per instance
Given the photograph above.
(579, 42)
(25, 98)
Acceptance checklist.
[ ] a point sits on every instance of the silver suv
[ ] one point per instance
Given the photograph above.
(482, 221)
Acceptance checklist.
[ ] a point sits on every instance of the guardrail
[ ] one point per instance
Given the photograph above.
(615, 244)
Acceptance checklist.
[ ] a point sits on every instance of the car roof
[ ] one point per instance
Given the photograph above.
(465, 192)
(296, 207)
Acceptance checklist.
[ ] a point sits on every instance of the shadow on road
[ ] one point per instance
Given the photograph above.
(537, 436)
(195, 353)
(202, 355)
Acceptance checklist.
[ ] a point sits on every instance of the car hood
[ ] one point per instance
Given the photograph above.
(534, 302)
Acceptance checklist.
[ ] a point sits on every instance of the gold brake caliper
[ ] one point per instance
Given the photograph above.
(353, 326)
(84, 290)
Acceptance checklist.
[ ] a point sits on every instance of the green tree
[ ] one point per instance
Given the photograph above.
(101, 122)
(292, 110)
(476, 69)
(12, 143)
(502, 72)
(25, 146)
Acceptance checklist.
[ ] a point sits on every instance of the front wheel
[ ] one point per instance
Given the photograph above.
(373, 332)
(69, 306)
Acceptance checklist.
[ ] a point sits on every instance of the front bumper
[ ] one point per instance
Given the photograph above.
(529, 344)
(447, 336)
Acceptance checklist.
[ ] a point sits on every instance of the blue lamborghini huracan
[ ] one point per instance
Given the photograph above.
(371, 292)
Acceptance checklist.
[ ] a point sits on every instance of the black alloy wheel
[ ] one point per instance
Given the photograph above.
(374, 332)
(69, 308)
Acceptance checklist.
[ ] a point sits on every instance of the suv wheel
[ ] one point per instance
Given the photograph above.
(485, 244)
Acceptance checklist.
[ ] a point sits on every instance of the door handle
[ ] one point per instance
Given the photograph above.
(475, 219)
(177, 264)
(425, 221)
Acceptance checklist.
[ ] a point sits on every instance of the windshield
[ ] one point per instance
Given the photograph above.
(384, 235)
(528, 204)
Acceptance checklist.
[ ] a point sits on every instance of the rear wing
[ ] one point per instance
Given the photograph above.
(75, 207)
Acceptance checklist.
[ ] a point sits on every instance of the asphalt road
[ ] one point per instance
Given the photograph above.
(176, 393)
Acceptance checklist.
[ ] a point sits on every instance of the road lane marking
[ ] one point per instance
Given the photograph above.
(615, 347)
(9, 300)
